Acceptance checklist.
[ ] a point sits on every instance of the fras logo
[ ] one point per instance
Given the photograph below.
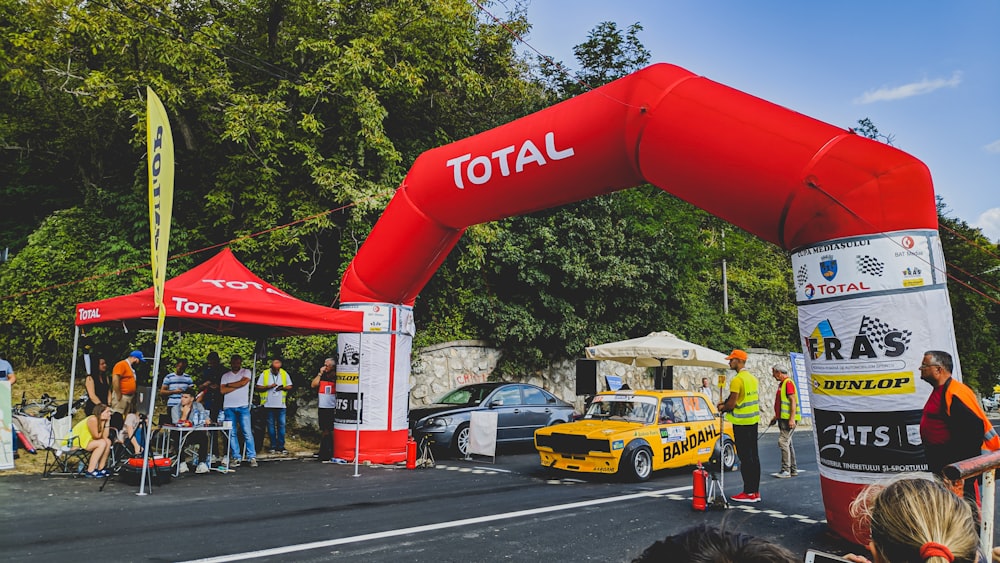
(479, 170)
(874, 339)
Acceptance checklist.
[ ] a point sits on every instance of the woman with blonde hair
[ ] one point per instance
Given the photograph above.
(916, 519)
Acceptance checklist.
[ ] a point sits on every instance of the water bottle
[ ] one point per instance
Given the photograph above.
(222, 418)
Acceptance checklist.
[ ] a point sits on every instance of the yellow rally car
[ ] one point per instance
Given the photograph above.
(632, 433)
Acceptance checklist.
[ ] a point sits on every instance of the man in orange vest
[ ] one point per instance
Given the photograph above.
(953, 426)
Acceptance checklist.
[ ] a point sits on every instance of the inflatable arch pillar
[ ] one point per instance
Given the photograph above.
(859, 217)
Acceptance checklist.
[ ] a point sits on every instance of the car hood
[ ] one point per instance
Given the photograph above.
(594, 428)
(437, 409)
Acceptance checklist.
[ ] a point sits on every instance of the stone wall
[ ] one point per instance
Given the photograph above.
(438, 369)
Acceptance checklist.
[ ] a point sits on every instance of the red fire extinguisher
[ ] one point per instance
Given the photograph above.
(411, 453)
(699, 500)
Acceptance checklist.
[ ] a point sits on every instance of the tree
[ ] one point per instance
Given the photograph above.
(281, 111)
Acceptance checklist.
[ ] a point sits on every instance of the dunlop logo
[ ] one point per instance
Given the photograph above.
(864, 385)
(348, 378)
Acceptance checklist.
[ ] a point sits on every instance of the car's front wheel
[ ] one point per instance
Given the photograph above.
(637, 464)
(460, 444)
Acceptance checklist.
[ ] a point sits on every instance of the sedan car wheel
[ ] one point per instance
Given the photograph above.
(462, 440)
(639, 463)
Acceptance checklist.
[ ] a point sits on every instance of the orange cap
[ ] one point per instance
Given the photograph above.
(737, 354)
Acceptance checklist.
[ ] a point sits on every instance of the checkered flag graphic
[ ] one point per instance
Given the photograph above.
(350, 351)
(876, 331)
(803, 276)
(871, 266)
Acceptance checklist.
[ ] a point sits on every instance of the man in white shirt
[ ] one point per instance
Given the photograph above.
(236, 404)
(273, 385)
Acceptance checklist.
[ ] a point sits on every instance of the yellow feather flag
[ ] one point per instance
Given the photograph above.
(160, 157)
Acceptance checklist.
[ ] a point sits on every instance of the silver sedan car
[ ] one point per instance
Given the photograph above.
(521, 409)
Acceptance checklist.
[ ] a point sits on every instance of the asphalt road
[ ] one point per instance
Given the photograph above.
(458, 511)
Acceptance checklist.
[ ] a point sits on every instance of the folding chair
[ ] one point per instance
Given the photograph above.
(66, 459)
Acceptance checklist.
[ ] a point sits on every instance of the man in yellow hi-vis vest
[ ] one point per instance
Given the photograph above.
(786, 414)
(742, 409)
(273, 385)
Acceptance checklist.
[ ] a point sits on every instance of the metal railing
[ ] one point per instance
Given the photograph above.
(984, 465)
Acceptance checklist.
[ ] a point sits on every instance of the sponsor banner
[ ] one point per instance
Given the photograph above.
(348, 374)
(378, 318)
(160, 166)
(6, 427)
(863, 354)
(868, 443)
(801, 383)
(864, 385)
(376, 365)
(614, 382)
(871, 264)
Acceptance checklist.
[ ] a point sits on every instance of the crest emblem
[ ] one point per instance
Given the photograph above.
(828, 267)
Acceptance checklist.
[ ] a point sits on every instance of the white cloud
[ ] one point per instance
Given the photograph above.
(993, 147)
(989, 222)
(925, 86)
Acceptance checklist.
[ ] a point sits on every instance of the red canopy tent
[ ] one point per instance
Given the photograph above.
(220, 296)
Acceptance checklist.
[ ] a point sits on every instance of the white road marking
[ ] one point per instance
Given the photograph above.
(495, 469)
(431, 527)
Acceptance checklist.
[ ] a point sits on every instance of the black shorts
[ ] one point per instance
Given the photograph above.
(326, 419)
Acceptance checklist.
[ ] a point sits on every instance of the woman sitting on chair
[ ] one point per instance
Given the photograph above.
(92, 435)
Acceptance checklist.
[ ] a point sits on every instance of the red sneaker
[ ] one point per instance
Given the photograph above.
(747, 497)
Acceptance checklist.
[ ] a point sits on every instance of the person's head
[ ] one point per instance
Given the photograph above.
(737, 359)
(936, 367)
(180, 366)
(236, 361)
(187, 397)
(330, 364)
(917, 519)
(275, 365)
(212, 358)
(708, 544)
(102, 412)
(779, 373)
(102, 364)
(704, 382)
(135, 357)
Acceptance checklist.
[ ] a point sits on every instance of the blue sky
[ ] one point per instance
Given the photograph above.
(927, 73)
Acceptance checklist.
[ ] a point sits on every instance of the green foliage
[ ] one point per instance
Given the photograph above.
(974, 291)
(280, 112)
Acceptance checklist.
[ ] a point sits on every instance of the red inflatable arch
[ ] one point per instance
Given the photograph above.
(785, 177)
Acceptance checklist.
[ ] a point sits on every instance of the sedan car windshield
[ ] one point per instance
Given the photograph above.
(470, 395)
(631, 409)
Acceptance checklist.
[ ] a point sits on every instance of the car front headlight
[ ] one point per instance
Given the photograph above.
(438, 422)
